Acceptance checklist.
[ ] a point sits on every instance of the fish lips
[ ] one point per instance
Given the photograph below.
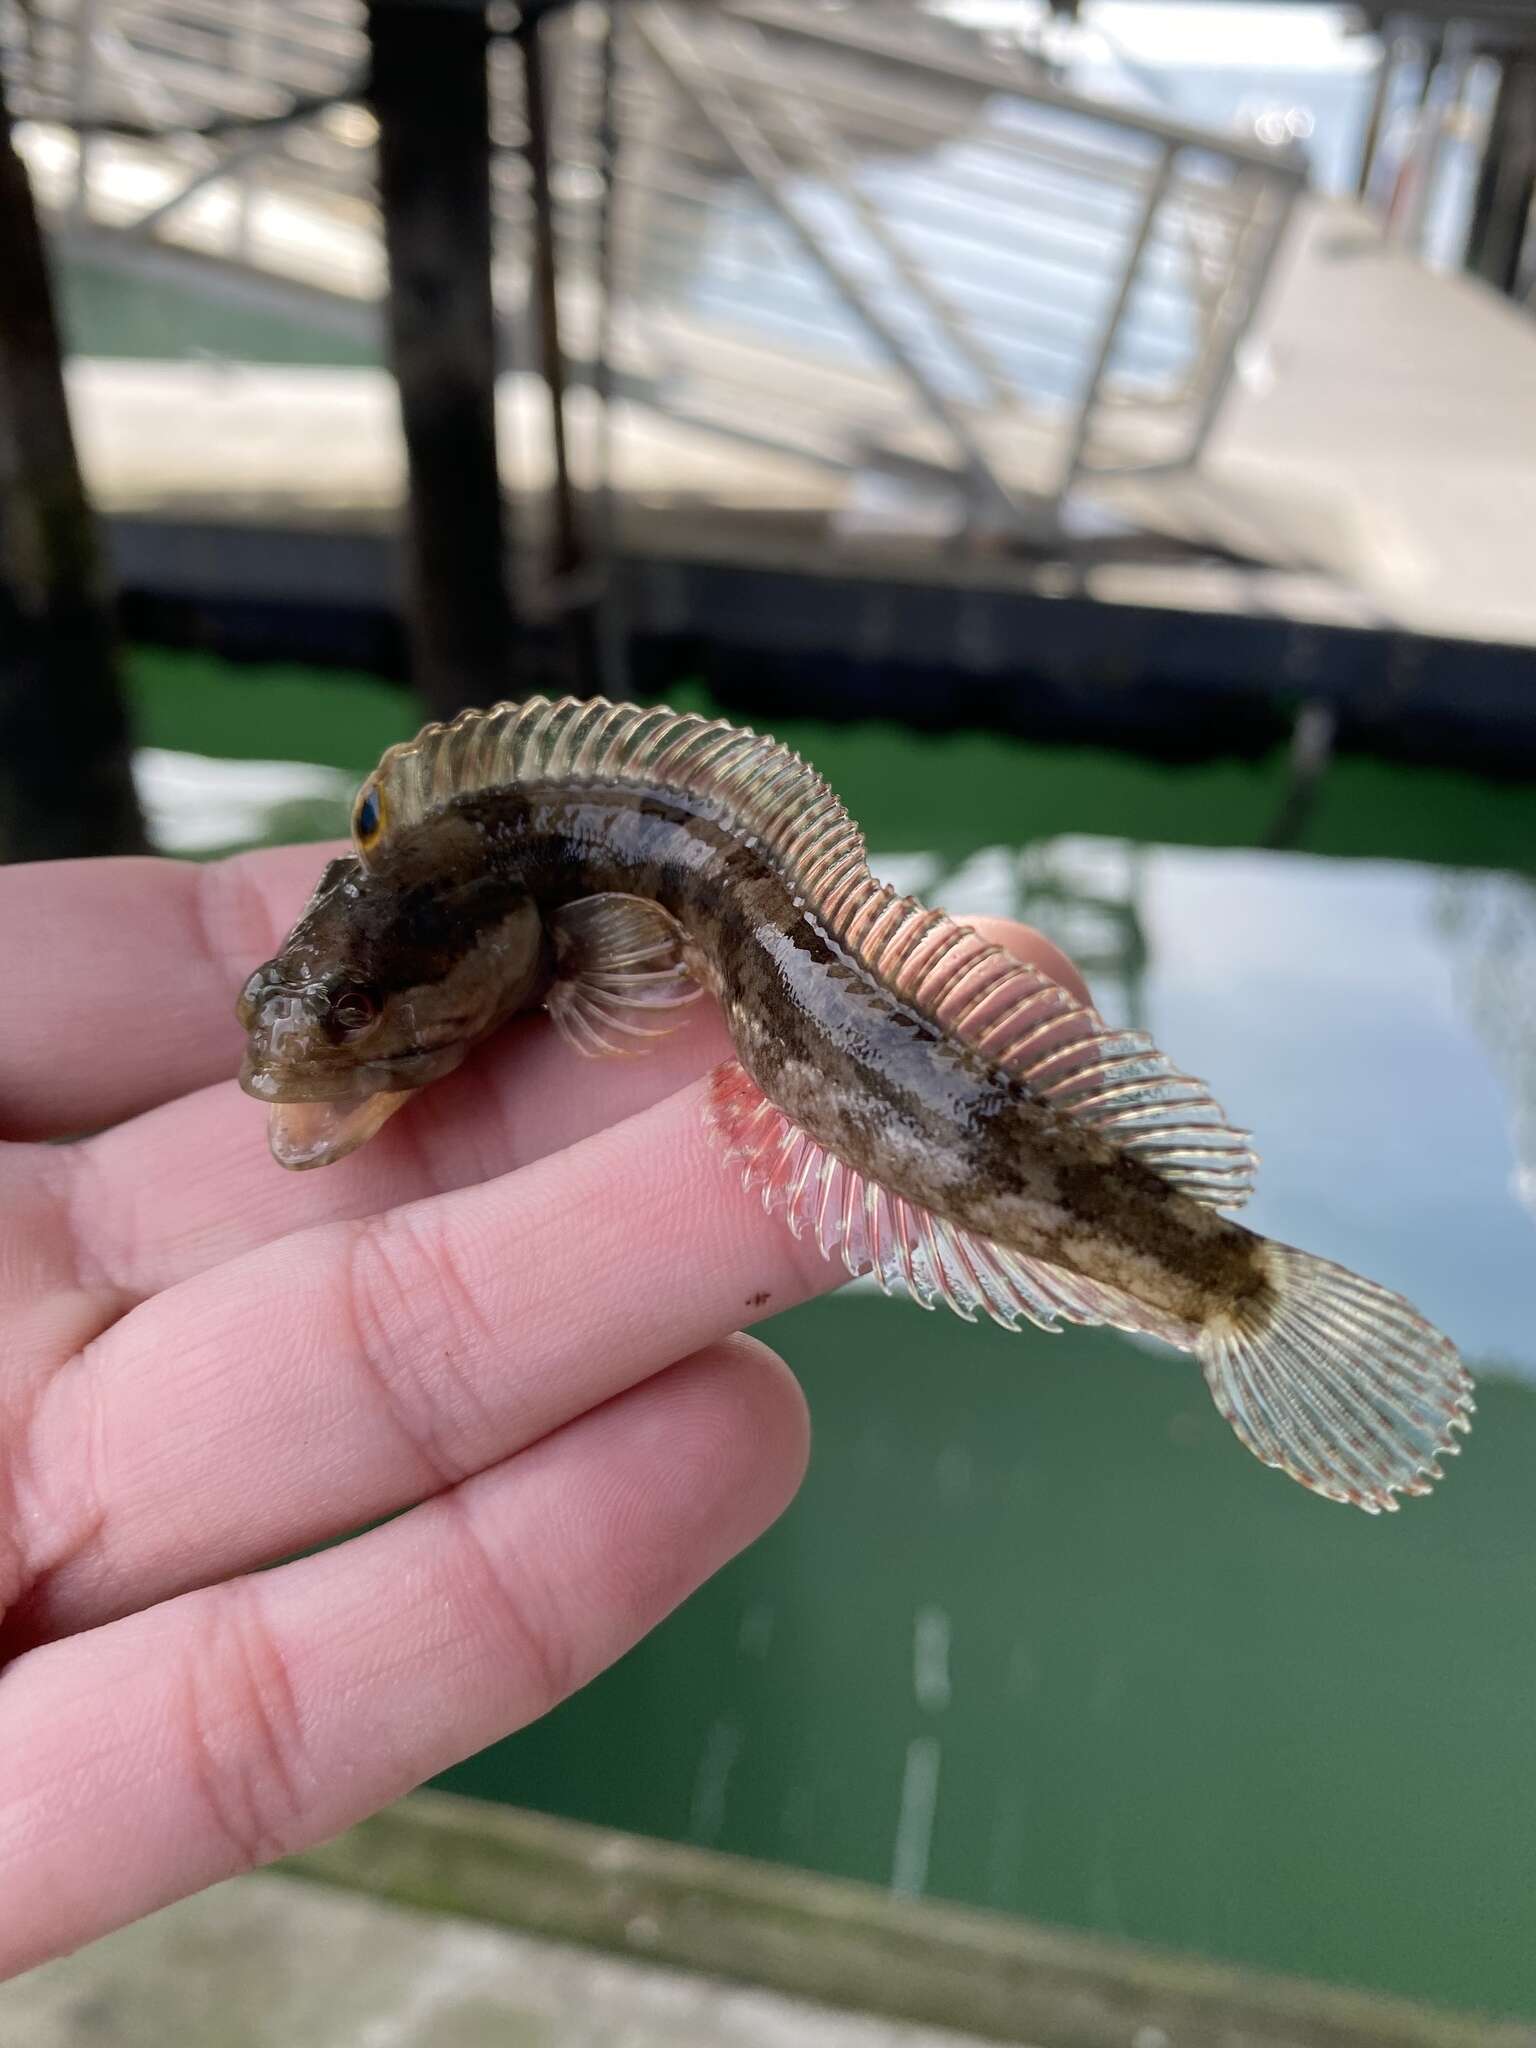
(342, 1080)
(320, 1114)
(305, 1134)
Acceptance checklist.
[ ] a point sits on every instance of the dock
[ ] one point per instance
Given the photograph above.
(881, 346)
(443, 1921)
(1353, 535)
(1376, 465)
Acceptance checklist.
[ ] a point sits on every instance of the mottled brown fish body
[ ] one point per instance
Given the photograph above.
(865, 1074)
(923, 1105)
(922, 1113)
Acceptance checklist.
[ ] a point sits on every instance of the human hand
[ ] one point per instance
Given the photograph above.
(209, 1364)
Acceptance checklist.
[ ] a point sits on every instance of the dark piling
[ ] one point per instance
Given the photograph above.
(65, 785)
(429, 95)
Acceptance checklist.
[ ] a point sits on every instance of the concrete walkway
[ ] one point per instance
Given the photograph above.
(1385, 430)
(271, 1962)
(1380, 438)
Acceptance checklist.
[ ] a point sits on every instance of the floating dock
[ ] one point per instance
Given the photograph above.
(1355, 534)
(447, 1921)
(931, 385)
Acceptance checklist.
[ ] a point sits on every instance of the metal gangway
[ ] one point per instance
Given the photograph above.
(895, 248)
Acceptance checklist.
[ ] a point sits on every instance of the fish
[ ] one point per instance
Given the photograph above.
(919, 1102)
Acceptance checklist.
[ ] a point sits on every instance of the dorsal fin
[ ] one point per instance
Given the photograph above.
(1012, 1014)
(1060, 1048)
(761, 789)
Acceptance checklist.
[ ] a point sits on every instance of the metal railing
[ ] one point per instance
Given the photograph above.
(877, 248)
(864, 237)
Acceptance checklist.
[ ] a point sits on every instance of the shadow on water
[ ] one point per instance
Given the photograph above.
(1038, 1634)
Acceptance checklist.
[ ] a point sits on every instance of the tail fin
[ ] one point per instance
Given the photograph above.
(1338, 1382)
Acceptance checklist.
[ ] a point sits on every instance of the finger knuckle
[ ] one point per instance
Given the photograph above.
(232, 918)
(58, 1506)
(416, 1329)
(536, 1637)
(243, 1736)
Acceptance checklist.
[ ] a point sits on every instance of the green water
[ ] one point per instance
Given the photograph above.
(109, 312)
(1038, 1634)
(964, 791)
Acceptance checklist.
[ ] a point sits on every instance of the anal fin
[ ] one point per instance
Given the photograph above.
(621, 976)
(906, 1247)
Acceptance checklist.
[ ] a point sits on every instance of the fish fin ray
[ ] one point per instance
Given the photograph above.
(750, 783)
(620, 974)
(905, 1246)
(1116, 1082)
(1338, 1382)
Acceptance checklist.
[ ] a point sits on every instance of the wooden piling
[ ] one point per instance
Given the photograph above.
(1506, 184)
(429, 95)
(65, 783)
(567, 548)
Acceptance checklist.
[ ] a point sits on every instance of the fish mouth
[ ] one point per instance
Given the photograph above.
(277, 1081)
(317, 1115)
(305, 1134)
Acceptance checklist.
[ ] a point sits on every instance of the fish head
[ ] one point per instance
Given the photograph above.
(387, 980)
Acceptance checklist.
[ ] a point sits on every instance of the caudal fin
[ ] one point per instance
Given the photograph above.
(1338, 1382)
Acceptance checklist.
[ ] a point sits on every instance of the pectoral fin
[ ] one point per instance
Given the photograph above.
(621, 978)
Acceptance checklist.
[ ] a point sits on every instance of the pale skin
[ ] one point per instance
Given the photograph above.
(512, 1316)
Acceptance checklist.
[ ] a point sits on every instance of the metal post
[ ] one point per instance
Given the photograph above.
(82, 92)
(65, 785)
(251, 49)
(612, 621)
(1403, 206)
(1156, 193)
(1506, 182)
(567, 539)
(430, 97)
(1381, 93)
(1443, 97)
(712, 101)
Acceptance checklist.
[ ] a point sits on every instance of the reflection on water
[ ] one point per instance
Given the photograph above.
(1340, 1022)
(1086, 892)
(1038, 1634)
(194, 805)
(1368, 1021)
(1490, 923)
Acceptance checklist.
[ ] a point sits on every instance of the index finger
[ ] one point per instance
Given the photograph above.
(120, 978)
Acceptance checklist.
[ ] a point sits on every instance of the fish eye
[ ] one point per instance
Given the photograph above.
(352, 1010)
(368, 818)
